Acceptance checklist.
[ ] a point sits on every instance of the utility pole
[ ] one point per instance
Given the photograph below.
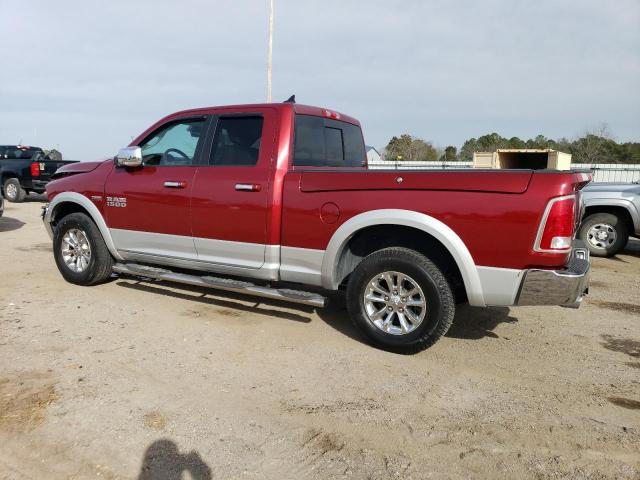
(270, 51)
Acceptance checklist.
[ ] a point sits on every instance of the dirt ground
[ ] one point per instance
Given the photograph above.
(151, 381)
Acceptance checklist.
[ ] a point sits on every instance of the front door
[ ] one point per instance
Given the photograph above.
(230, 194)
(148, 208)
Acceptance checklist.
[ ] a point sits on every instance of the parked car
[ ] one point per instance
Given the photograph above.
(271, 193)
(1, 204)
(612, 214)
(25, 169)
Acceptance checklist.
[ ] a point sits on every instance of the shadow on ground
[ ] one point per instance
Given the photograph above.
(632, 248)
(163, 461)
(474, 323)
(230, 300)
(470, 323)
(627, 346)
(35, 198)
(8, 224)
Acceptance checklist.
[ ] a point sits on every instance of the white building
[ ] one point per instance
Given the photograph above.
(372, 154)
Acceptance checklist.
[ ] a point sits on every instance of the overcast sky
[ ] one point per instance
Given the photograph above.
(87, 76)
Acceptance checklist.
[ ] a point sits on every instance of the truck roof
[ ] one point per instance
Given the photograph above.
(297, 107)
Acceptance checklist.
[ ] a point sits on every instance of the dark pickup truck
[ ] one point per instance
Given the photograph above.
(25, 169)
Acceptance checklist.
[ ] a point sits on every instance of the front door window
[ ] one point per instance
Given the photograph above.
(174, 145)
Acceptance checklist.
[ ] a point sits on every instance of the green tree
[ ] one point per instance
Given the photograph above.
(492, 141)
(595, 146)
(450, 154)
(466, 152)
(410, 148)
(515, 142)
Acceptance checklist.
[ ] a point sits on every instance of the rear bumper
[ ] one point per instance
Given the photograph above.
(39, 185)
(565, 287)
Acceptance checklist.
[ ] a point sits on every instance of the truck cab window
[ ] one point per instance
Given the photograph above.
(237, 141)
(173, 145)
(323, 142)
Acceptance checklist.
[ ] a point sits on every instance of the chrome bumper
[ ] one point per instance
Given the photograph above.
(46, 219)
(564, 287)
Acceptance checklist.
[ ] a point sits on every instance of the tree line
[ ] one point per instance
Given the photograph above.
(592, 147)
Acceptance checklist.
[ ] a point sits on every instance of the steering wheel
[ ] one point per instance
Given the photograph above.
(179, 152)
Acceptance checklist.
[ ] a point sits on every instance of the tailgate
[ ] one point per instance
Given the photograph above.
(48, 167)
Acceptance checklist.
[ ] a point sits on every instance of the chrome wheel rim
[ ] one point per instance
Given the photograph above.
(602, 235)
(12, 191)
(394, 303)
(75, 250)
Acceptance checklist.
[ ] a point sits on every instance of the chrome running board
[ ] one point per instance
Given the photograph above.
(226, 284)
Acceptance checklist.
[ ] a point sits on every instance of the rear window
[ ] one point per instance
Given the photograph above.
(18, 152)
(324, 142)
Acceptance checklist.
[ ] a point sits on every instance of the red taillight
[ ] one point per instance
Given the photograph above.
(556, 230)
(35, 169)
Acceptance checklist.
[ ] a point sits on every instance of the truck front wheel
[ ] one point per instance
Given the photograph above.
(400, 300)
(604, 233)
(80, 252)
(13, 192)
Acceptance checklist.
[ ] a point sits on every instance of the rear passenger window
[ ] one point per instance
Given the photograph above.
(237, 141)
(323, 142)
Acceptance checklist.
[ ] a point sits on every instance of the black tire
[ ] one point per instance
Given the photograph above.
(437, 291)
(101, 262)
(606, 248)
(13, 192)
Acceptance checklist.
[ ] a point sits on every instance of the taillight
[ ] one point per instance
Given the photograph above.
(35, 169)
(556, 229)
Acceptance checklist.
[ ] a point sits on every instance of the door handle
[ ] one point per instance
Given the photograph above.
(248, 187)
(175, 184)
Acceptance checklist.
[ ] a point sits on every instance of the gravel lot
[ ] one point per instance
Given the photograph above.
(145, 380)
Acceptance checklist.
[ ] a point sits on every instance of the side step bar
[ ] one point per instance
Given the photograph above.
(228, 285)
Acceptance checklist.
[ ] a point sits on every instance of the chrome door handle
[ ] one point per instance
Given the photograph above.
(175, 184)
(248, 187)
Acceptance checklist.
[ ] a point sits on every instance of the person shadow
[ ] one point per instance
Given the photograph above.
(163, 461)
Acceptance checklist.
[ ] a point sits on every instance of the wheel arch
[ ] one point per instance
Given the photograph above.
(345, 249)
(6, 175)
(71, 202)
(620, 208)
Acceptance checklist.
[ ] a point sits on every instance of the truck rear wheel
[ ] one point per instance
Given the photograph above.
(604, 233)
(13, 192)
(400, 300)
(80, 252)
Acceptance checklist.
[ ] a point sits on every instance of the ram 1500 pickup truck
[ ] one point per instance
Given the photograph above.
(276, 200)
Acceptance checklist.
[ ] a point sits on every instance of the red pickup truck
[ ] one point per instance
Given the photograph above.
(270, 199)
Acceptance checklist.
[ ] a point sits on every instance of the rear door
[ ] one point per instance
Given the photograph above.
(231, 190)
(148, 208)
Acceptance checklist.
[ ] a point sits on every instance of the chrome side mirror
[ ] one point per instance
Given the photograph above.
(129, 157)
